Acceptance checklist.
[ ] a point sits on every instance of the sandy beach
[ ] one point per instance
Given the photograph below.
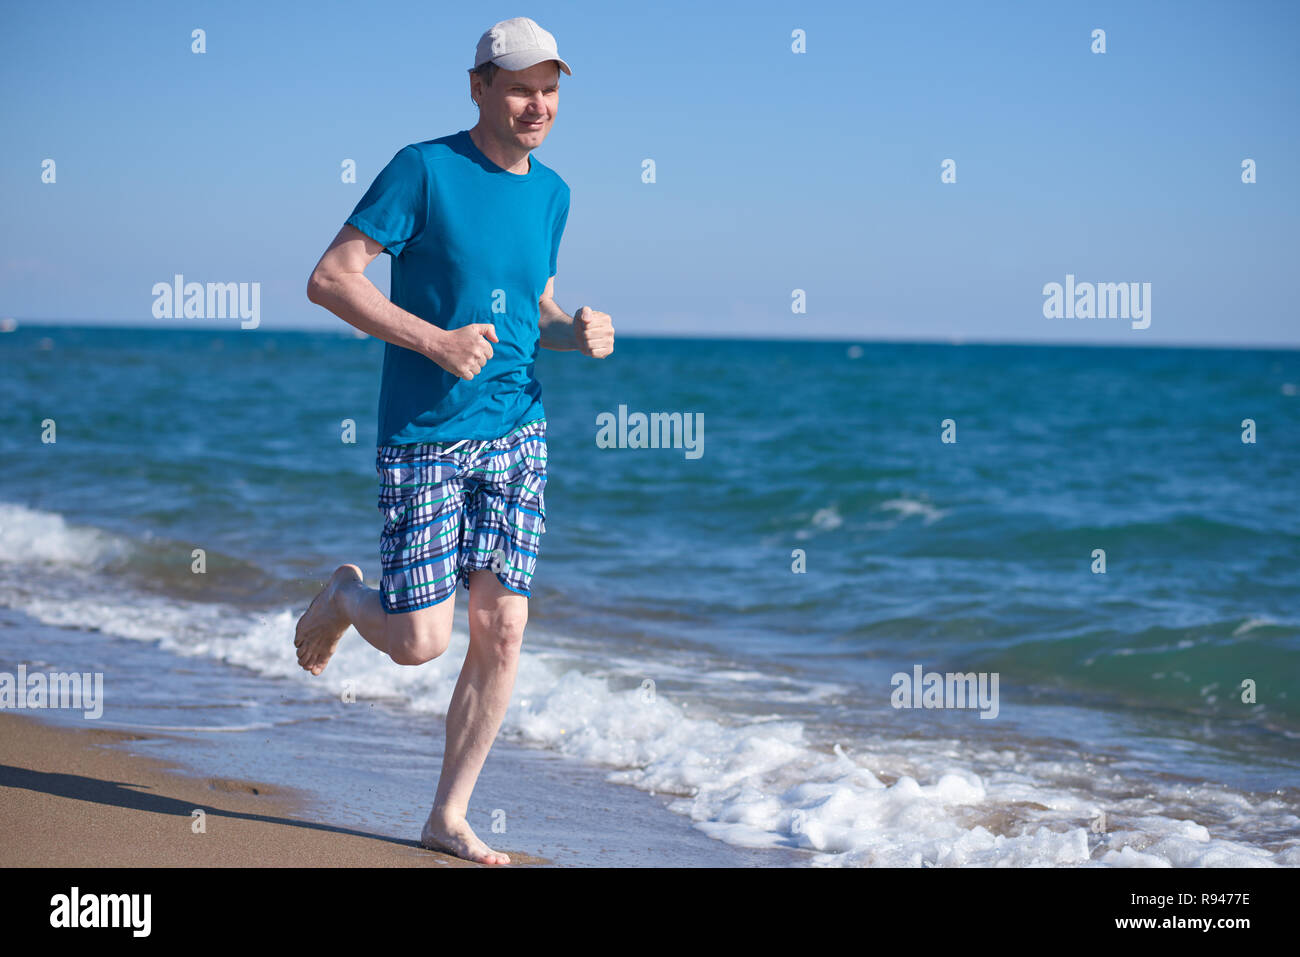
(76, 798)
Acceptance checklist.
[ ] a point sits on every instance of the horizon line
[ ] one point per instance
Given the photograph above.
(349, 332)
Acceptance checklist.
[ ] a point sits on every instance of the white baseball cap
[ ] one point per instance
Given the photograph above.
(517, 44)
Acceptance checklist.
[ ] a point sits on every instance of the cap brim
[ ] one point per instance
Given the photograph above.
(522, 61)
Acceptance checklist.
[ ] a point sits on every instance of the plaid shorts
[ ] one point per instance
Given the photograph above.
(451, 508)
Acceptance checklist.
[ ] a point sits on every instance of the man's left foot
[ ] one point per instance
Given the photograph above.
(457, 838)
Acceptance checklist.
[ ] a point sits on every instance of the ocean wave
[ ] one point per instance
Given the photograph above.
(906, 508)
(35, 535)
(754, 781)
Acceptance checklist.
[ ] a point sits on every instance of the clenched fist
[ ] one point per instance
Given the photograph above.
(465, 351)
(594, 332)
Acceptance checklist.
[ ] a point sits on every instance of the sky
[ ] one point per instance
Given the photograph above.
(776, 170)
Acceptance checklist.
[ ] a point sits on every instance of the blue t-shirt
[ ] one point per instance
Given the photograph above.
(470, 242)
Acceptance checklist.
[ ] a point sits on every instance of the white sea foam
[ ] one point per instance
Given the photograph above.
(1250, 624)
(753, 781)
(215, 729)
(36, 536)
(906, 508)
(823, 520)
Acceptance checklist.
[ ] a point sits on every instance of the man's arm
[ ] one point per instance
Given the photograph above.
(589, 331)
(339, 284)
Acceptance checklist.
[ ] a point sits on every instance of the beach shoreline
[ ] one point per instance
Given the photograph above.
(76, 797)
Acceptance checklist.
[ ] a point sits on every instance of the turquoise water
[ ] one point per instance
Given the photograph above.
(968, 556)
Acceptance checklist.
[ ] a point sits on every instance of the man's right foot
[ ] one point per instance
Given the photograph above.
(459, 840)
(323, 624)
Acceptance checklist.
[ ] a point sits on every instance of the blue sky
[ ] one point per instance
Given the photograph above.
(775, 171)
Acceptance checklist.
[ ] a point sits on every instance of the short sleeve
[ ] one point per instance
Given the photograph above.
(394, 209)
(555, 238)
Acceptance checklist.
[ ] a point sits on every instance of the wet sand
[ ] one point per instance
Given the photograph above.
(74, 797)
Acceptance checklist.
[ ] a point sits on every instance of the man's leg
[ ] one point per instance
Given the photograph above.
(422, 496)
(497, 617)
(409, 638)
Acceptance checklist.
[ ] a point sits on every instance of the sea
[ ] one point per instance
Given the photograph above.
(884, 604)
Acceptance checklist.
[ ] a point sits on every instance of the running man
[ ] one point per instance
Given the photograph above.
(473, 225)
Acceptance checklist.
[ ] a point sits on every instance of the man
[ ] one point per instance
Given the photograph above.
(473, 225)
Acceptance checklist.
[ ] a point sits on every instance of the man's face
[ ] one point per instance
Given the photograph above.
(520, 105)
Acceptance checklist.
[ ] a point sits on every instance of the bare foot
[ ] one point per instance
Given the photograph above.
(323, 624)
(455, 837)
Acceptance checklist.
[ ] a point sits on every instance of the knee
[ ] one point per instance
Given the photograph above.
(415, 642)
(499, 632)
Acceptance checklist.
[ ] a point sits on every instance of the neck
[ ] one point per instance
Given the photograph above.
(506, 155)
